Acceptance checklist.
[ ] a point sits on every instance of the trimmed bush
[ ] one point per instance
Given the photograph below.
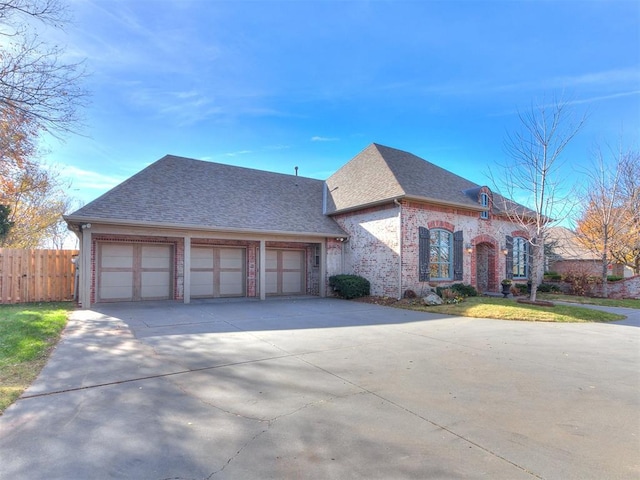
(552, 276)
(522, 288)
(464, 290)
(548, 288)
(350, 286)
(614, 278)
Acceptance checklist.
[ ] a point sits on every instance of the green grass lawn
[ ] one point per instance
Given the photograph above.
(606, 302)
(509, 309)
(28, 332)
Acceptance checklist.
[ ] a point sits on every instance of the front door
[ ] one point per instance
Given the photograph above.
(482, 268)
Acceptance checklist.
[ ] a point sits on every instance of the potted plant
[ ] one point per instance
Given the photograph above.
(506, 287)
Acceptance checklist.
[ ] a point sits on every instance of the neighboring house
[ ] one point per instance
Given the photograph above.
(568, 255)
(183, 229)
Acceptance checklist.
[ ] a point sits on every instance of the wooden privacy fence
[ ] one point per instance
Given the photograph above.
(36, 275)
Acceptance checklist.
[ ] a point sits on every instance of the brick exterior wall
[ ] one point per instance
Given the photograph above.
(627, 288)
(589, 267)
(373, 250)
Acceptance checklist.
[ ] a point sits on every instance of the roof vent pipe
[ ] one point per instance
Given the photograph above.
(296, 171)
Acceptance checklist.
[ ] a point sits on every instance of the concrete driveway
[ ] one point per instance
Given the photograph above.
(324, 388)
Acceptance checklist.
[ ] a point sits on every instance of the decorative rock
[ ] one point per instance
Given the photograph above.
(432, 299)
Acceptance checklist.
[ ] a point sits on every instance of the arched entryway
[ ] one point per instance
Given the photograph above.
(486, 267)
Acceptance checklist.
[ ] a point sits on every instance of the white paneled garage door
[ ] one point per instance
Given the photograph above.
(132, 272)
(285, 272)
(217, 272)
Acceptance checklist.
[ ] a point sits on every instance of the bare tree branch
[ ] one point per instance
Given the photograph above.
(533, 176)
(33, 78)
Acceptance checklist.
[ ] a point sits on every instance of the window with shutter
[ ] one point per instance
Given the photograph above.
(457, 255)
(509, 259)
(423, 254)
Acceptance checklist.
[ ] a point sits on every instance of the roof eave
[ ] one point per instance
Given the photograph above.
(416, 198)
(71, 219)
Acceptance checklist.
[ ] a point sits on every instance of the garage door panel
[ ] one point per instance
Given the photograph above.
(291, 282)
(232, 258)
(217, 272)
(201, 284)
(156, 257)
(116, 286)
(231, 283)
(131, 272)
(155, 285)
(285, 272)
(272, 282)
(271, 260)
(291, 260)
(117, 256)
(201, 257)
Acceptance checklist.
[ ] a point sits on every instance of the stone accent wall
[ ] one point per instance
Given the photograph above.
(627, 288)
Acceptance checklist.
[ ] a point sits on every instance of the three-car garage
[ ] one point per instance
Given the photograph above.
(137, 271)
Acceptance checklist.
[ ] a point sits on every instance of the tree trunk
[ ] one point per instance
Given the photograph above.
(605, 263)
(537, 269)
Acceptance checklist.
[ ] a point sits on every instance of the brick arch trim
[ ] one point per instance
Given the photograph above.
(520, 233)
(484, 239)
(441, 224)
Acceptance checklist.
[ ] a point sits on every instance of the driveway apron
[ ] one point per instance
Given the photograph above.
(324, 388)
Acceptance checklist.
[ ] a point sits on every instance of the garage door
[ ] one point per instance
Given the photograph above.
(217, 272)
(132, 272)
(285, 272)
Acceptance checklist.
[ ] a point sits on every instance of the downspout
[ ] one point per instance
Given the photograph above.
(395, 200)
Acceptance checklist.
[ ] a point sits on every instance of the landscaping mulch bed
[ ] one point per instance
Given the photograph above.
(387, 301)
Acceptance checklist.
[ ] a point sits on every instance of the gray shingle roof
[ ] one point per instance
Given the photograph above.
(379, 174)
(180, 191)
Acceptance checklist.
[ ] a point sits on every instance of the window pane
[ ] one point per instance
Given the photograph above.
(441, 254)
(520, 257)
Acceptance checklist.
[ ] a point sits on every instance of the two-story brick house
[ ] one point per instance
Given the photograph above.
(183, 229)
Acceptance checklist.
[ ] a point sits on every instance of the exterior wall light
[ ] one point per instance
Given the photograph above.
(468, 247)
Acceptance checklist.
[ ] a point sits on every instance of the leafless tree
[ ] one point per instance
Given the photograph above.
(533, 176)
(607, 213)
(34, 78)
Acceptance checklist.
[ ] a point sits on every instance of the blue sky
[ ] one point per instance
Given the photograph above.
(274, 85)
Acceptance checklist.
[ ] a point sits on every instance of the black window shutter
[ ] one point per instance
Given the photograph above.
(424, 245)
(457, 255)
(509, 272)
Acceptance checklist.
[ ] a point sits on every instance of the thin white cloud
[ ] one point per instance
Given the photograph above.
(235, 154)
(324, 139)
(89, 180)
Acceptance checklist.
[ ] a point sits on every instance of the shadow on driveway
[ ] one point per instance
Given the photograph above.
(324, 388)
